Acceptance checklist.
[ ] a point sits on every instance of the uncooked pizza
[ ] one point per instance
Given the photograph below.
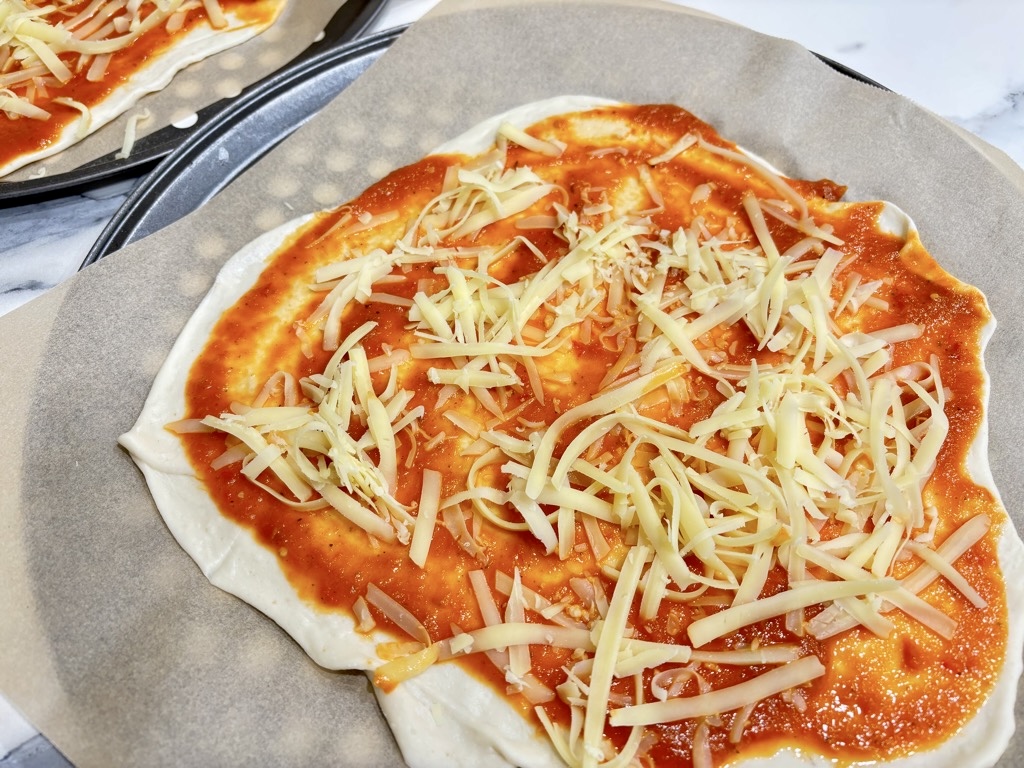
(68, 67)
(596, 441)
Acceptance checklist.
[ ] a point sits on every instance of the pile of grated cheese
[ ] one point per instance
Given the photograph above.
(830, 435)
(44, 45)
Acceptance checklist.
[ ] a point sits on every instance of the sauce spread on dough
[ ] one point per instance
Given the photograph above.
(879, 697)
(24, 135)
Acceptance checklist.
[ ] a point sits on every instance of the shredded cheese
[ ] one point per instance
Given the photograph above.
(50, 42)
(131, 132)
(827, 433)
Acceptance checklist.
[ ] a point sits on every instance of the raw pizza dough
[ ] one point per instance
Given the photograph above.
(154, 75)
(444, 717)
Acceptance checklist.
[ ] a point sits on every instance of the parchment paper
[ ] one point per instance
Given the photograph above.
(111, 641)
(220, 76)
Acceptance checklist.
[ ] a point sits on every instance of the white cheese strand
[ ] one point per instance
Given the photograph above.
(791, 675)
(608, 643)
(703, 631)
(426, 517)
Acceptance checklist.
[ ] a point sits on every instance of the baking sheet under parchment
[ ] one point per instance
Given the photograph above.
(220, 76)
(111, 641)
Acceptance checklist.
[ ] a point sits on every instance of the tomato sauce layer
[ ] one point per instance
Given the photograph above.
(880, 698)
(24, 135)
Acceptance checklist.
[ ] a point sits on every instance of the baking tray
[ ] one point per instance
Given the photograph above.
(227, 145)
(348, 23)
(253, 126)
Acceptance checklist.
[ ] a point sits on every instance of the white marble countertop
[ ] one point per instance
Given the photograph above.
(958, 58)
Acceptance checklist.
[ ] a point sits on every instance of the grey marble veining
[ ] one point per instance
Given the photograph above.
(1002, 124)
(45, 243)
